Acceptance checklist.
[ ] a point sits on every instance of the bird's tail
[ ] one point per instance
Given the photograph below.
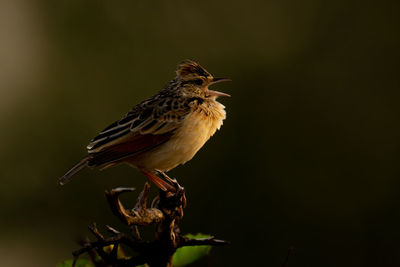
(77, 168)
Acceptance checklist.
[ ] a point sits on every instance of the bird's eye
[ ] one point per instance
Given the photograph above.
(198, 81)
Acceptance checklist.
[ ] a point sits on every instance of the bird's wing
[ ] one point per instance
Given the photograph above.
(146, 126)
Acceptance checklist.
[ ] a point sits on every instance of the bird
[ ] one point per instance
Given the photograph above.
(163, 131)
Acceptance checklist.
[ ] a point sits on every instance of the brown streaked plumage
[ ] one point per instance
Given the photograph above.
(163, 131)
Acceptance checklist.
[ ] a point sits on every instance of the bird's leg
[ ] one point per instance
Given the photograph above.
(166, 184)
(169, 179)
(174, 183)
(160, 183)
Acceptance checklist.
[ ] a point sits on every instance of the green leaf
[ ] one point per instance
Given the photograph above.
(186, 255)
(79, 263)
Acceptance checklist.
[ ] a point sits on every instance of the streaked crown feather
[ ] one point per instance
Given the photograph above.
(190, 69)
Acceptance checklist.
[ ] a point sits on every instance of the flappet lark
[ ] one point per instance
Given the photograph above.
(163, 131)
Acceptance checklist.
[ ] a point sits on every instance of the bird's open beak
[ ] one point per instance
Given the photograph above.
(218, 80)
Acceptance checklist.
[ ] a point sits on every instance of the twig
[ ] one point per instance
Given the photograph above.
(165, 213)
(137, 216)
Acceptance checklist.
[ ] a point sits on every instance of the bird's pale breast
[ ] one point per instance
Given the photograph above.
(193, 133)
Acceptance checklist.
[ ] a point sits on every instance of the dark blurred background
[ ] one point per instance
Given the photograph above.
(308, 156)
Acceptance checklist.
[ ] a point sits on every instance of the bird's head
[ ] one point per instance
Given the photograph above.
(195, 80)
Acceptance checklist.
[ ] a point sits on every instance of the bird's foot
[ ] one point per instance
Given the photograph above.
(178, 189)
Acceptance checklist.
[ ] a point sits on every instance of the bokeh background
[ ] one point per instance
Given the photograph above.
(308, 156)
